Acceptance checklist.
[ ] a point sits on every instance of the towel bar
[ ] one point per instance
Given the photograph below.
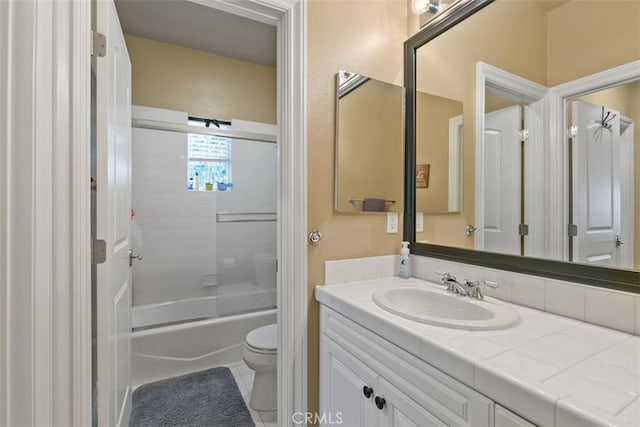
(362, 200)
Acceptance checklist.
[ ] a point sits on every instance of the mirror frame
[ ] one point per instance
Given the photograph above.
(605, 277)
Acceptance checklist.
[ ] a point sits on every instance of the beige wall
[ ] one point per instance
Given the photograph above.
(200, 83)
(432, 147)
(447, 68)
(370, 145)
(366, 38)
(608, 35)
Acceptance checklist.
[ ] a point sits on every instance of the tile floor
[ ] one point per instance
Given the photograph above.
(244, 378)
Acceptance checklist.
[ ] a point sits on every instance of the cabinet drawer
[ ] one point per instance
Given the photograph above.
(449, 400)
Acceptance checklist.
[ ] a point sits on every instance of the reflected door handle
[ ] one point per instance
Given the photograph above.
(619, 241)
(133, 256)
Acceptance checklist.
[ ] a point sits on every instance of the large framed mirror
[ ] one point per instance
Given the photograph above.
(549, 152)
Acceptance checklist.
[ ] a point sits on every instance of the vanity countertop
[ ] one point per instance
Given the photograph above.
(550, 369)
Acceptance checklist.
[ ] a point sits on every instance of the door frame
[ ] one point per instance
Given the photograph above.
(627, 223)
(45, 266)
(514, 87)
(559, 197)
(45, 343)
(456, 175)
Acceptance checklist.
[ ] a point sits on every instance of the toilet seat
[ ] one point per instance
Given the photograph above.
(264, 339)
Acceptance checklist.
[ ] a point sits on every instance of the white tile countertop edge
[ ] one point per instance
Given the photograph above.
(550, 369)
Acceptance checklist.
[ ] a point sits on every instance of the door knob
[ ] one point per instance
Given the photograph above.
(314, 237)
(133, 256)
(380, 402)
(368, 391)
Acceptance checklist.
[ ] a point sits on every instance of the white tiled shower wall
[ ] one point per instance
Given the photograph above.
(609, 308)
(175, 229)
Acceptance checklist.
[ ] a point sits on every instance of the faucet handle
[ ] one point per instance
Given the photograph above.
(493, 285)
(445, 275)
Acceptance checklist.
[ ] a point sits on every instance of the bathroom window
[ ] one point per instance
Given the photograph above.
(209, 164)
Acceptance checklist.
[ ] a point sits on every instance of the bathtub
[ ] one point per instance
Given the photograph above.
(167, 351)
(229, 300)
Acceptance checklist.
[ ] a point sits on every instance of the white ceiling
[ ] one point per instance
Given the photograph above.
(191, 25)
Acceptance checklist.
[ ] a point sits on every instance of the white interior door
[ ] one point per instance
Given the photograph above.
(113, 198)
(502, 175)
(627, 193)
(596, 185)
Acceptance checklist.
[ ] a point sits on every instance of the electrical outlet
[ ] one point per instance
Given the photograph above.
(392, 222)
(419, 222)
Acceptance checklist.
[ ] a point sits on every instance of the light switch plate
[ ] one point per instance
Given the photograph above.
(392, 222)
(419, 222)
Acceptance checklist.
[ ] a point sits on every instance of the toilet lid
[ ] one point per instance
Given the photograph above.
(264, 338)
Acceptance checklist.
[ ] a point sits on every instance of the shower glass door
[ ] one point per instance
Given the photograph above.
(203, 217)
(246, 230)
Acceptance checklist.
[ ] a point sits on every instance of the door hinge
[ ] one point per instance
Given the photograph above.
(98, 44)
(523, 134)
(276, 265)
(98, 251)
(523, 229)
(572, 230)
(572, 132)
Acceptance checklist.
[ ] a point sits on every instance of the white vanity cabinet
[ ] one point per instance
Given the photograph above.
(346, 381)
(367, 381)
(506, 418)
(357, 396)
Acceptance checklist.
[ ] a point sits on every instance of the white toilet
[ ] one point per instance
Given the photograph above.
(260, 354)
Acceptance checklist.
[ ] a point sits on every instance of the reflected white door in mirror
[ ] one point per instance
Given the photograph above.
(556, 168)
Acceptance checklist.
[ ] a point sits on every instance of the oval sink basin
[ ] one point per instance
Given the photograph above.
(444, 309)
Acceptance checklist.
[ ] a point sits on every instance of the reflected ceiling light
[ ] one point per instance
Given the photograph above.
(419, 6)
(432, 6)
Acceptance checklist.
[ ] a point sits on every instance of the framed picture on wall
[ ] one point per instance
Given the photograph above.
(422, 175)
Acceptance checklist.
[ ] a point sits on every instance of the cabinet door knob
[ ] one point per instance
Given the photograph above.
(380, 402)
(368, 391)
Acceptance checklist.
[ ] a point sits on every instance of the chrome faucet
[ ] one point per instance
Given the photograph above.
(452, 283)
(468, 288)
(474, 288)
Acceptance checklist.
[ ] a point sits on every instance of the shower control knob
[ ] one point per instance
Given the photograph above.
(368, 391)
(314, 237)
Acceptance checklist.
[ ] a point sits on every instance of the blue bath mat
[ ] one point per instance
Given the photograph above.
(207, 398)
